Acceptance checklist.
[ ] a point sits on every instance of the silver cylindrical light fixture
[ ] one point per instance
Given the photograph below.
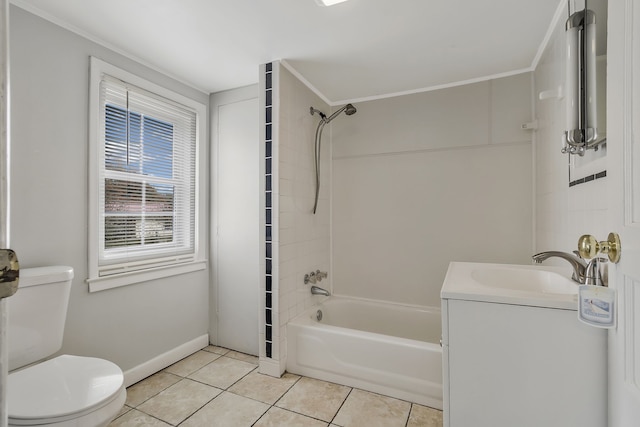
(581, 92)
(572, 83)
(591, 106)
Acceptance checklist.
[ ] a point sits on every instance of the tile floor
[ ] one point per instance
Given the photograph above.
(220, 387)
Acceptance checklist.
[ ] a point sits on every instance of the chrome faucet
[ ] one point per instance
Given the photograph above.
(579, 264)
(316, 290)
(315, 276)
(593, 275)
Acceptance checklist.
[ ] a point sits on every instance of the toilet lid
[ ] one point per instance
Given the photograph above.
(62, 386)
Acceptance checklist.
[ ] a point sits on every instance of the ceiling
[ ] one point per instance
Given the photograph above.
(360, 49)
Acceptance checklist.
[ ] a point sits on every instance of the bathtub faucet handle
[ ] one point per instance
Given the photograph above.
(321, 275)
(310, 278)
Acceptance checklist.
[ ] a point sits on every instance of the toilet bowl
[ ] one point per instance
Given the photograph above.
(64, 391)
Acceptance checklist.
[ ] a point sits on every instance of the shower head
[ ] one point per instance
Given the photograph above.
(348, 109)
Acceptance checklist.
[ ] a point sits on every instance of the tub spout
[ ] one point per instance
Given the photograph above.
(316, 290)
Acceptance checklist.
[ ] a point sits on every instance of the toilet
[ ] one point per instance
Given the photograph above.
(63, 391)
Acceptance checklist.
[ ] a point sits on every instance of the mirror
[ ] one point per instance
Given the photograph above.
(585, 90)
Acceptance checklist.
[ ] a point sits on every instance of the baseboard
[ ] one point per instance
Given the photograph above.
(270, 367)
(163, 360)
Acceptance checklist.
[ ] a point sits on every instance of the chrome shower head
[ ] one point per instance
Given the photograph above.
(349, 109)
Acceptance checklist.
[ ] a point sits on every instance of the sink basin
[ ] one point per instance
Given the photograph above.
(528, 280)
(532, 285)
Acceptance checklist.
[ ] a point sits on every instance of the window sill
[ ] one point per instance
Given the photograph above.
(114, 281)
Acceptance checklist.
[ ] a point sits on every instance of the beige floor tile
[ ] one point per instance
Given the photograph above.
(372, 410)
(179, 401)
(315, 398)
(422, 416)
(223, 372)
(226, 410)
(244, 357)
(216, 349)
(192, 363)
(277, 417)
(149, 387)
(264, 388)
(135, 418)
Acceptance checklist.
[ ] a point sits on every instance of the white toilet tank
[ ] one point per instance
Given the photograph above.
(37, 314)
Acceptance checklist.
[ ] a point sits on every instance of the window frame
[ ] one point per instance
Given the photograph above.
(130, 272)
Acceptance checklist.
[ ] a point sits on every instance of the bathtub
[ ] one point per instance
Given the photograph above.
(385, 348)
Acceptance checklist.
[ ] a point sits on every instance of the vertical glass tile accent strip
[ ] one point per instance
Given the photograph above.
(268, 209)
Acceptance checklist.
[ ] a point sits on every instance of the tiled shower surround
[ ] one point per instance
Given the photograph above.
(296, 241)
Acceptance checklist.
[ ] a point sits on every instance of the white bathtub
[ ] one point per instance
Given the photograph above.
(385, 348)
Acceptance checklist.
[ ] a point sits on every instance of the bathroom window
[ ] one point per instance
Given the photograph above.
(144, 172)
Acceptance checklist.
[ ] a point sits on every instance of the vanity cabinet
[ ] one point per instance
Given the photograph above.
(508, 364)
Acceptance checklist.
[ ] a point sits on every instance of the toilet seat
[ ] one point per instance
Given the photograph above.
(62, 388)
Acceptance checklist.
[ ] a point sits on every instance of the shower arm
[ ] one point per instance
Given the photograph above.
(335, 114)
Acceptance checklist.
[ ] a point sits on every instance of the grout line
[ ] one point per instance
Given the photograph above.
(341, 405)
(149, 415)
(287, 391)
(180, 378)
(409, 414)
(263, 414)
(196, 411)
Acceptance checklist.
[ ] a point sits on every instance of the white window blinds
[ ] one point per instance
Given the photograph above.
(147, 180)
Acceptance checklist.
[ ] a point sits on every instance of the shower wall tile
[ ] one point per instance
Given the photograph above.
(286, 187)
(287, 252)
(286, 220)
(286, 171)
(287, 156)
(287, 204)
(287, 236)
(563, 213)
(303, 237)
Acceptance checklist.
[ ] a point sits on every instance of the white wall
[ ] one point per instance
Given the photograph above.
(425, 179)
(563, 214)
(50, 81)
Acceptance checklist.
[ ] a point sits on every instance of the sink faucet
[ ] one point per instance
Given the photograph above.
(579, 265)
(316, 290)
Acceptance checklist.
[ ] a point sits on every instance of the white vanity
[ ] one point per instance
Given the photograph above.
(515, 353)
